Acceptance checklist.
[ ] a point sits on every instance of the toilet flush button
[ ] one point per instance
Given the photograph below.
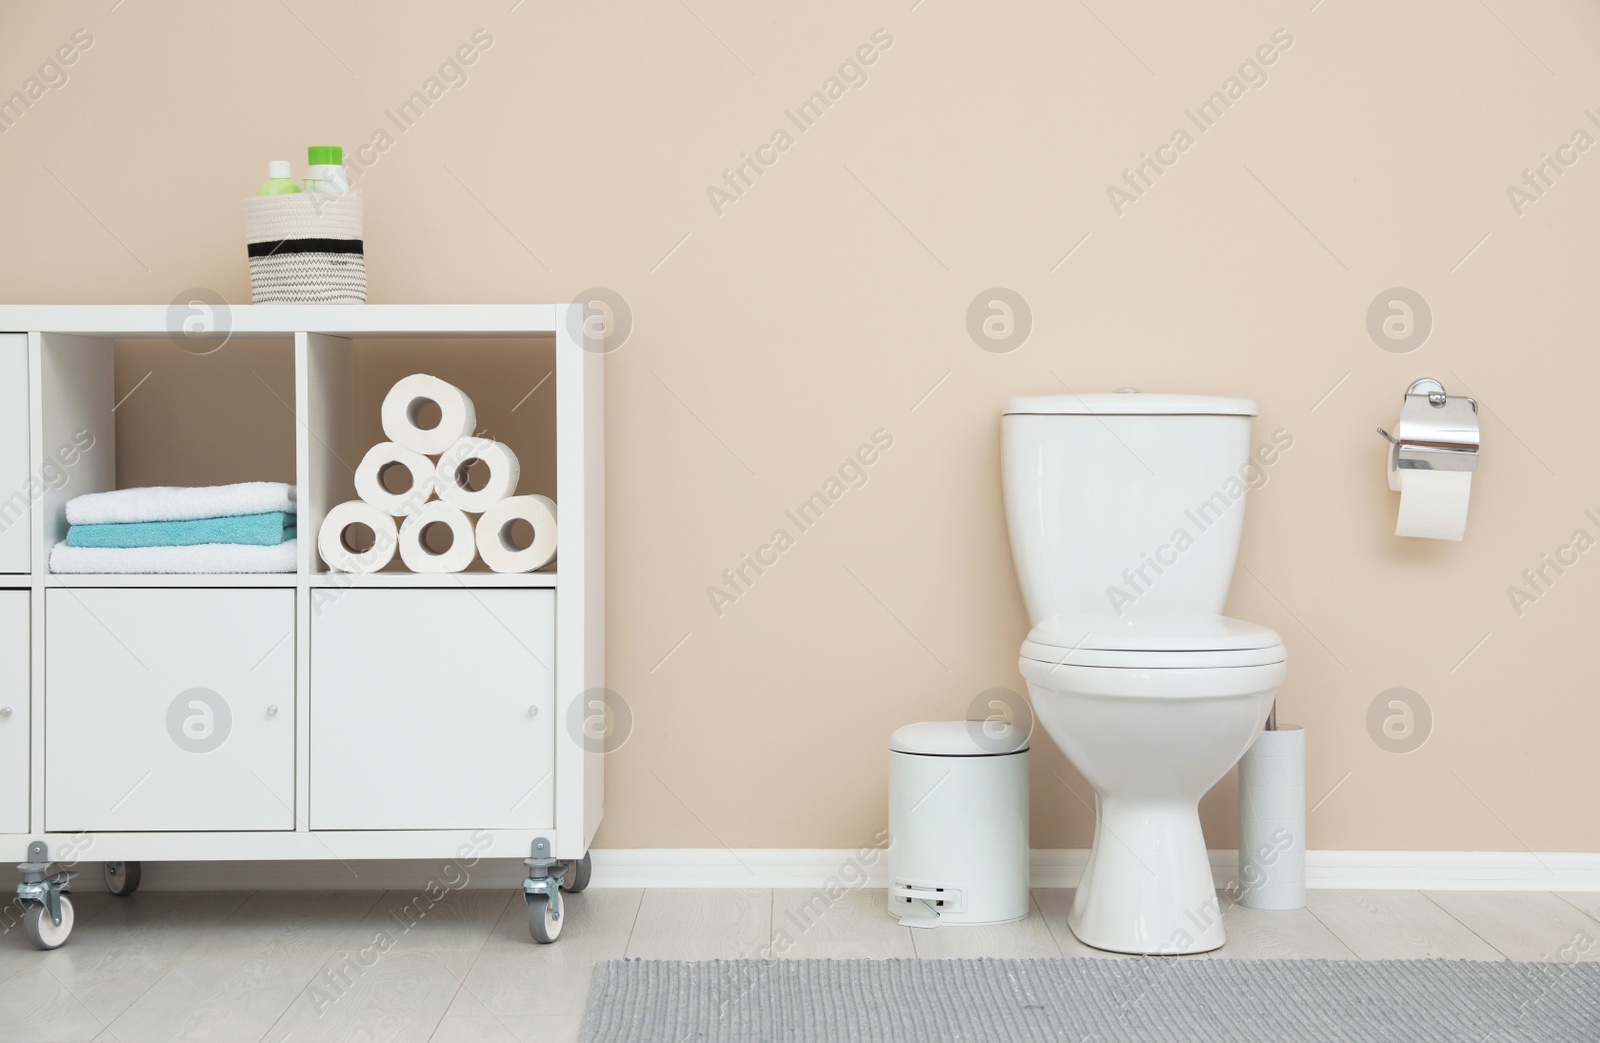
(1127, 391)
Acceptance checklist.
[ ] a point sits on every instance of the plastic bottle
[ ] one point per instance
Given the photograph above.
(325, 169)
(278, 182)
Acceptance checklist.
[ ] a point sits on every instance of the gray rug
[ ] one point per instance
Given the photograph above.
(1237, 1001)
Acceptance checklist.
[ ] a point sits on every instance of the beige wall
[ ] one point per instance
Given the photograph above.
(825, 303)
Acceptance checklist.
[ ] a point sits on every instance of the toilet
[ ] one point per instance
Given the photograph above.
(1125, 512)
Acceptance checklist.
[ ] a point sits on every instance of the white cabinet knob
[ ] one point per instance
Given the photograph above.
(5, 711)
(533, 711)
(272, 711)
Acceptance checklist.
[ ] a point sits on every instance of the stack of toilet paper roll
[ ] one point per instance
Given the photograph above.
(1272, 820)
(438, 459)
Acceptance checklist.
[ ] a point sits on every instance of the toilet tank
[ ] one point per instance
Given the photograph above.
(1126, 503)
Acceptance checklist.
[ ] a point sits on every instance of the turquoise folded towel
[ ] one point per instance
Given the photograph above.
(260, 530)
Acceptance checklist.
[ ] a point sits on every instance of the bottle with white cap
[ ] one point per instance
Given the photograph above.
(325, 169)
(278, 182)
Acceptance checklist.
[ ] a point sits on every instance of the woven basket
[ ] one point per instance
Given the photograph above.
(306, 248)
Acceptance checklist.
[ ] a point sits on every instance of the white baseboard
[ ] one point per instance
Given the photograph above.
(817, 867)
(1452, 870)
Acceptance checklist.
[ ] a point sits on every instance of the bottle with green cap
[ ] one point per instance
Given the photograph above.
(325, 169)
(278, 182)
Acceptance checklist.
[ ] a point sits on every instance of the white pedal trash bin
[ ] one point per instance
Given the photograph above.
(958, 823)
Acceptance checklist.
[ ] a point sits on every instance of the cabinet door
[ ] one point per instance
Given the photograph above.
(14, 688)
(169, 709)
(432, 709)
(16, 499)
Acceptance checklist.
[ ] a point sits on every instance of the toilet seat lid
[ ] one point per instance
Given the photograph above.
(1208, 640)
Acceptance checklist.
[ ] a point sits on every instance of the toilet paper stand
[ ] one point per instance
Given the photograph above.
(1436, 432)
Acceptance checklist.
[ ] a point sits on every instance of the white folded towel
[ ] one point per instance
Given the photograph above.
(204, 558)
(175, 503)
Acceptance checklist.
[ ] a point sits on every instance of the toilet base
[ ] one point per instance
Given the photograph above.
(1147, 887)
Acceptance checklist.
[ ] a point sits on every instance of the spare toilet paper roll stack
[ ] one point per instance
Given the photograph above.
(1272, 821)
(439, 460)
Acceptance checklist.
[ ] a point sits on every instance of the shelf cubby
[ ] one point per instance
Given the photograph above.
(139, 410)
(511, 381)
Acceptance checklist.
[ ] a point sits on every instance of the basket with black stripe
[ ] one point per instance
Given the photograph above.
(305, 248)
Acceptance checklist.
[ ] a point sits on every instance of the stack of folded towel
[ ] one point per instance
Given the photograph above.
(216, 529)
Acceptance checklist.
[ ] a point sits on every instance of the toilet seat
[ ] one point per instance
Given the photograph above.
(1160, 642)
(1107, 659)
(1151, 682)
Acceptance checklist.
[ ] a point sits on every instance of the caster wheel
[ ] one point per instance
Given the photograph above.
(38, 928)
(122, 878)
(542, 923)
(577, 875)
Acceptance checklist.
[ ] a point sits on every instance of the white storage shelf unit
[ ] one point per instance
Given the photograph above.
(384, 716)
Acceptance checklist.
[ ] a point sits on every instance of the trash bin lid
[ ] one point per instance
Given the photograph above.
(959, 739)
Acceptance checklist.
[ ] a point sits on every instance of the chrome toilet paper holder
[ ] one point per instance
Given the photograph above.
(1436, 432)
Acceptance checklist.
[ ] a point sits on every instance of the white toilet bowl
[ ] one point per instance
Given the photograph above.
(1125, 513)
(1151, 738)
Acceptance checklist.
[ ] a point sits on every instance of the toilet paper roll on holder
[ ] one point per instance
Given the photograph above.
(1436, 432)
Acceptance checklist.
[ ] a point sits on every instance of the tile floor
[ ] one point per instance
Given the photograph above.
(288, 966)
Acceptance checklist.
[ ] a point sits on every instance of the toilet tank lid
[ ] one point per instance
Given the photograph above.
(1130, 403)
(959, 739)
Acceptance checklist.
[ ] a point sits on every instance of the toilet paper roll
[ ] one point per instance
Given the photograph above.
(335, 547)
(417, 556)
(401, 406)
(504, 472)
(494, 543)
(379, 459)
(1433, 504)
(1272, 821)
